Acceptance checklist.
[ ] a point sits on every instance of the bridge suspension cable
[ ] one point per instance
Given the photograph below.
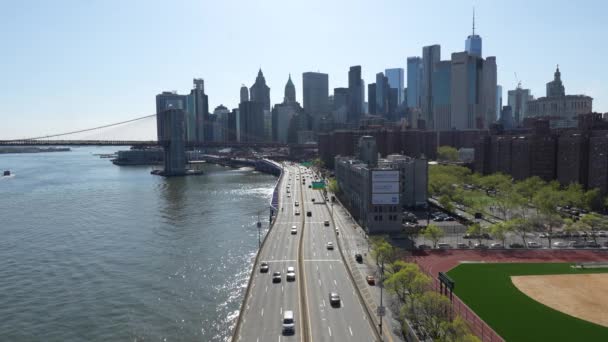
(87, 129)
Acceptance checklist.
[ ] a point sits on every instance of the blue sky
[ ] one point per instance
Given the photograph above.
(75, 64)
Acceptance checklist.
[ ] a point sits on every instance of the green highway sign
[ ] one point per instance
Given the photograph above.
(318, 185)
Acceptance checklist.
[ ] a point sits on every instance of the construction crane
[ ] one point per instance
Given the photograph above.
(517, 80)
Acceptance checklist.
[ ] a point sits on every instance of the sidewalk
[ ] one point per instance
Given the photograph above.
(353, 241)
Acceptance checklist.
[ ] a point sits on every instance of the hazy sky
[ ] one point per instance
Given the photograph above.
(75, 64)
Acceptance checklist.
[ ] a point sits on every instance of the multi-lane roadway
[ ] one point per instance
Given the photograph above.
(319, 271)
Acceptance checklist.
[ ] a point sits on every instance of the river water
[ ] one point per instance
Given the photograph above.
(90, 251)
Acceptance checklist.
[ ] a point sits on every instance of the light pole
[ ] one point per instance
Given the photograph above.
(381, 308)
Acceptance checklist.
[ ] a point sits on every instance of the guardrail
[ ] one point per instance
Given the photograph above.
(303, 293)
(237, 327)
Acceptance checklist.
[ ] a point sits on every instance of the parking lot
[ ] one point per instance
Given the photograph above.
(455, 234)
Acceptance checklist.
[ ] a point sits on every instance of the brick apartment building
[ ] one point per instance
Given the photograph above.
(577, 155)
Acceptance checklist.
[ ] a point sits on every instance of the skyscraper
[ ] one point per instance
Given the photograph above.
(165, 101)
(473, 91)
(290, 91)
(382, 93)
(395, 81)
(498, 101)
(315, 89)
(473, 42)
(414, 81)
(518, 101)
(355, 94)
(442, 82)
(371, 98)
(244, 93)
(260, 92)
(251, 121)
(430, 56)
(340, 107)
(198, 108)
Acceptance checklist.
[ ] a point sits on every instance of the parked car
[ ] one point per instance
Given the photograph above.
(264, 267)
(444, 245)
(576, 244)
(560, 244)
(592, 244)
(480, 246)
(423, 246)
(497, 245)
(370, 280)
(461, 245)
(516, 245)
(534, 244)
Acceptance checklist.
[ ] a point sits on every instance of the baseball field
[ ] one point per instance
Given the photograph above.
(537, 301)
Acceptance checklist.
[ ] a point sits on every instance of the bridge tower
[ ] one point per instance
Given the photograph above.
(174, 144)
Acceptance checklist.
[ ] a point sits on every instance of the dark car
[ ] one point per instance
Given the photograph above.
(334, 299)
(276, 277)
(309, 213)
(359, 258)
(480, 246)
(516, 245)
(478, 216)
(591, 244)
(264, 267)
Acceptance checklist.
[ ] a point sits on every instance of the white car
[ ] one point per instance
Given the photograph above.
(296, 203)
(560, 244)
(330, 245)
(291, 273)
(496, 246)
(532, 244)
(294, 230)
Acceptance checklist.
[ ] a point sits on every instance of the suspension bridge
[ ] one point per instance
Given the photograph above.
(117, 134)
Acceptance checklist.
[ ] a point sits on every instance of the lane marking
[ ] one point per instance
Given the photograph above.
(328, 260)
(335, 282)
(266, 292)
(328, 328)
(351, 330)
(262, 312)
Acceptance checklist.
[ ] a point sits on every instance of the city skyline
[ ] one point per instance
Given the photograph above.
(83, 82)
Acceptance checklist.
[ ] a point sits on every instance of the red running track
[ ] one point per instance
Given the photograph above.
(434, 261)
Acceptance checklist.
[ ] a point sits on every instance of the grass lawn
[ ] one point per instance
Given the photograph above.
(488, 290)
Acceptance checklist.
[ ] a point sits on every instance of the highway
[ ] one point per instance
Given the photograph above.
(323, 272)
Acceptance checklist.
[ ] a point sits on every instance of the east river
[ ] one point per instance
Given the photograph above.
(90, 251)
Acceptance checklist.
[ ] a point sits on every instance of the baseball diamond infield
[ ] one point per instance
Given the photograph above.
(536, 301)
(580, 295)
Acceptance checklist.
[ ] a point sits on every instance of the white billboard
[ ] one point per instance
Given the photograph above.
(385, 187)
(385, 176)
(385, 199)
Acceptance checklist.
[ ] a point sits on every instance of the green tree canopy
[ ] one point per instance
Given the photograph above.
(447, 153)
(433, 233)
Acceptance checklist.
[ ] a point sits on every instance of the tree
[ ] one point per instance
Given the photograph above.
(592, 199)
(496, 182)
(499, 231)
(529, 187)
(318, 163)
(333, 186)
(447, 153)
(432, 310)
(433, 233)
(383, 251)
(457, 331)
(477, 231)
(546, 223)
(408, 281)
(521, 227)
(446, 203)
(592, 223)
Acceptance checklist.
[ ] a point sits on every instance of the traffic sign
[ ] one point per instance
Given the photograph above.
(381, 311)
